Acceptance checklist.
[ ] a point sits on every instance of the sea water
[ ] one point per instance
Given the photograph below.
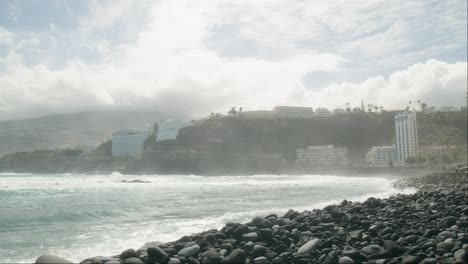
(77, 216)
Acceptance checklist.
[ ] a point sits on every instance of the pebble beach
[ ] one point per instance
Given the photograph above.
(429, 226)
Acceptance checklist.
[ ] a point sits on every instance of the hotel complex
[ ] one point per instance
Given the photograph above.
(381, 156)
(128, 142)
(169, 129)
(291, 112)
(323, 155)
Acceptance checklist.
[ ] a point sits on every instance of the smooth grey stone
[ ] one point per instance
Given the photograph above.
(174, 261)
(114, 261)
(410, 260)
(252, 236)
(128, 253)
(189, 251)
(374, 252)
(261, 260)
(50, 259)
(309, 247)
(447, 246)
(132, 260)
(346, 260)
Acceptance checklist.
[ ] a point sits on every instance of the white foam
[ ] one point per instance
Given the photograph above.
(110, 237)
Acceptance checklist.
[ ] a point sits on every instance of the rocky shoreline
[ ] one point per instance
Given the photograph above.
(430, 226)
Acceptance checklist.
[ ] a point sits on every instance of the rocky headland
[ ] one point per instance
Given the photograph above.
(429, 226)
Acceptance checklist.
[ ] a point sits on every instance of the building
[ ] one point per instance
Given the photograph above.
(448, 109)
(128, 142)
(338, 111)
(258, 114)
(293, 112)
(381, 156)
(323, 155)
(322, 112)
(169, 129)
(406, 136)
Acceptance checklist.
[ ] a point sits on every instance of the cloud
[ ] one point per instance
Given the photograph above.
(197, 57)
(434, 82)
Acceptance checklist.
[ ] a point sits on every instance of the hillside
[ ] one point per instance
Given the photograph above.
(63, 131)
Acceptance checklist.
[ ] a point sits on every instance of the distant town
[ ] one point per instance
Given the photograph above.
(262, 139)
(405, 152)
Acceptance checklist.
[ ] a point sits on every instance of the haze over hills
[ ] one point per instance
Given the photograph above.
(70, 130)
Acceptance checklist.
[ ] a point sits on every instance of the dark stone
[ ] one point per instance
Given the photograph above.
(460, 256)
(249, 246)
(331, 258)
(350, 252)
(375, 252)
(266, 234)
(50, 259)
(411, 260)
(192, 260)
(129, 253)
(372, 202)
(447, 246)
(157, 255)
(211, 257)
(392, 247)
(133, 260)
(236, 256)
(258, 251)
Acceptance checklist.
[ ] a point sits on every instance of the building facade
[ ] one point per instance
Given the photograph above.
(406, 136)
(381, 156)
(322, 112)
(258, 114)
(128, 142)
(293, 112)
(169, 129)
(323, 155)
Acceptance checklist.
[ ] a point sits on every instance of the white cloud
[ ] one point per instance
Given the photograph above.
(178, 56)
(433, 82)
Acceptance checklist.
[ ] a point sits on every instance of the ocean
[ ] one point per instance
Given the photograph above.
(76, 216)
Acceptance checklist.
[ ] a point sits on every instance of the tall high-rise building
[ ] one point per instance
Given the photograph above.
(406, 136)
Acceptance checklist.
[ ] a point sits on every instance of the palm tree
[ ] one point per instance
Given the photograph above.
(233, 111)
(423, 107)
(348, 109)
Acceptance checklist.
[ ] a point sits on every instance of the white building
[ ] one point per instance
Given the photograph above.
(406, 136)
(323, 155)
(128, 142)
(258, 114)
(381, 156)
(293, 112)
(322, 112)
(169, 129)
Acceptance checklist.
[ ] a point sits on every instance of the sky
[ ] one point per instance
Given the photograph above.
(194, 57)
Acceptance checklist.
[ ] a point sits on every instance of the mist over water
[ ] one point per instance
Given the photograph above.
(78, 216)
